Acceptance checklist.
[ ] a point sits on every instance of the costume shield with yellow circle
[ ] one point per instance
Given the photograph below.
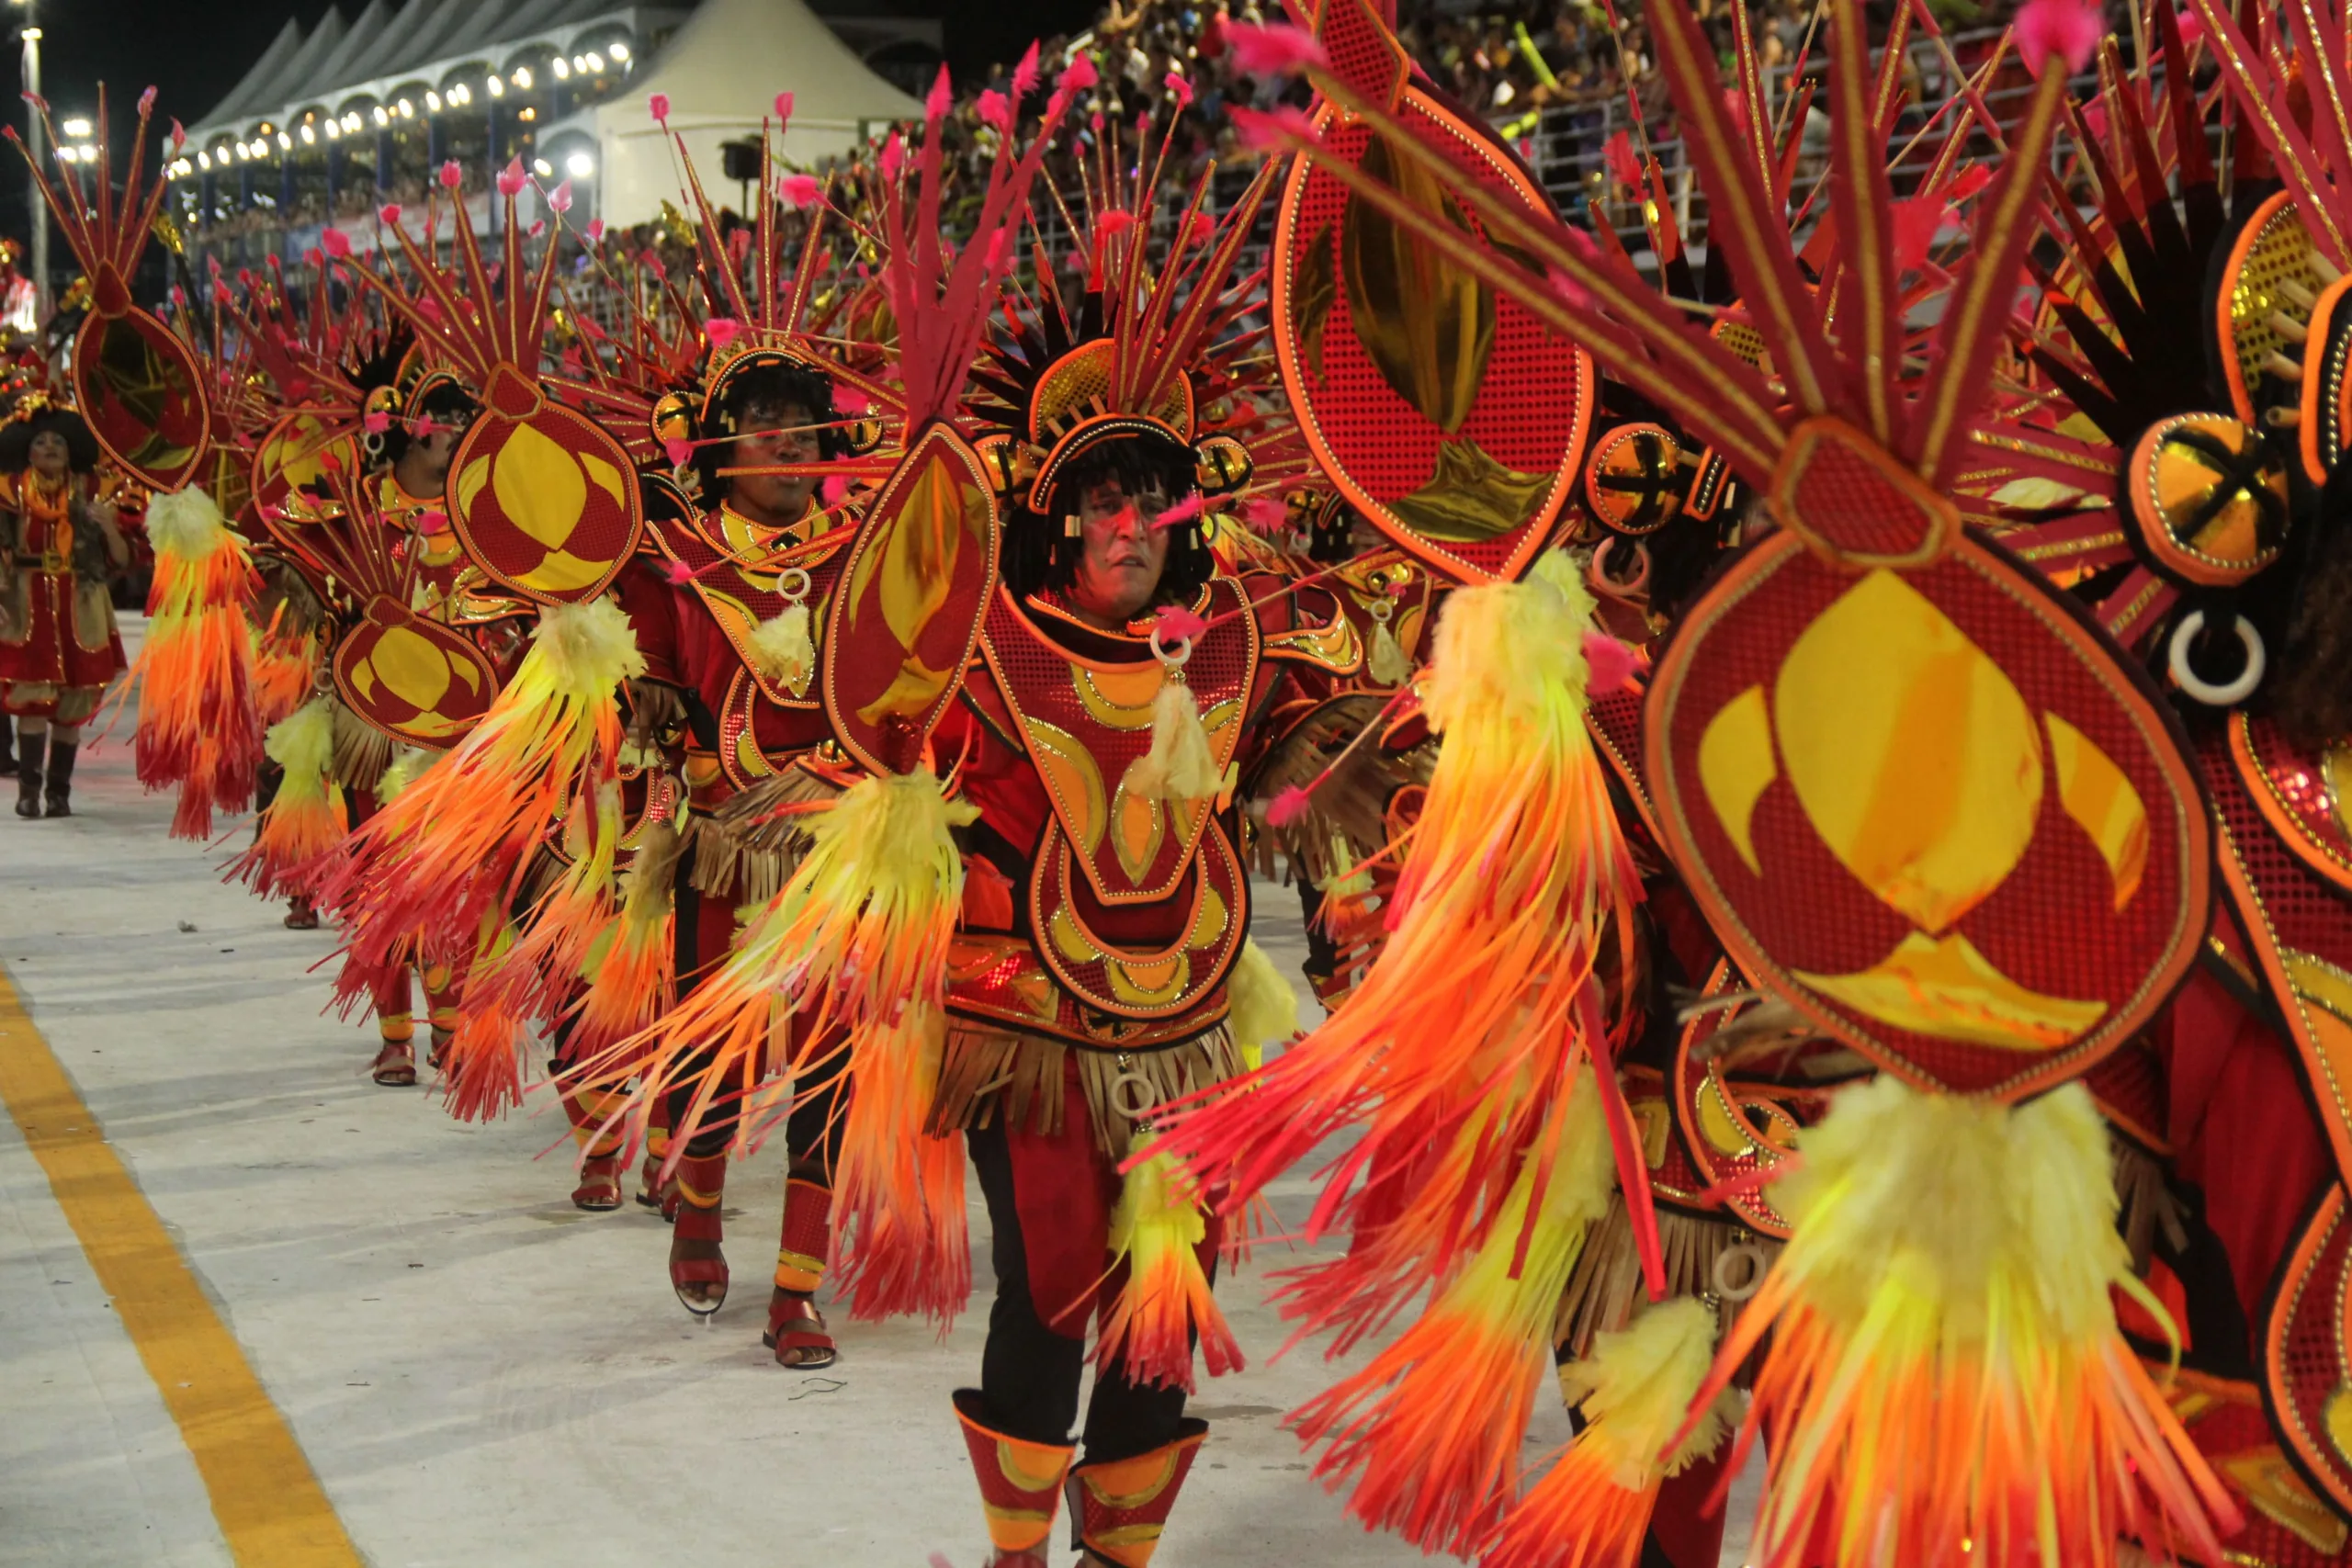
(544, 499)
(1930, 806)
(415, 680)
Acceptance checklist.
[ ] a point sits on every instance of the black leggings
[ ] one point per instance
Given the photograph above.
(1029, 1375)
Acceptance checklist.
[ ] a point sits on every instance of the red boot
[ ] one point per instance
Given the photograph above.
(600, 1149)
(1021, 1484)
(795, 1328)
(699, 1279)
(1117, 1506)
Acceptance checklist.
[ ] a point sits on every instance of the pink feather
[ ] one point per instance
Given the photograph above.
(560, 199)
(1265, 512)
(1609, 663)
(722, 331)
(511, 179)
(452, 177)
(995, 111)
(1287, 807)
(678, 573)
(390, 212)
(1176, 624)
(1274, 130)
(1184, 510)
(658, 105)
(679, 450)
(334, 241)
(1025, 74)
(782, 112)
(2068, 28)
(1277, 49)
(800, 190)
(942, 99)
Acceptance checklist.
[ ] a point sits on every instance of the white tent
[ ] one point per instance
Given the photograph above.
(722, 72)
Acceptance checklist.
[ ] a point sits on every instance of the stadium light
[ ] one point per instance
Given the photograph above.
(204, 161)
(285, 142)
(522, 77)
(496, 88)
(351, 121)
(408, 110)
(542, 168)
(620, 51)
(335, 130)
(309, 136)
(580, 166)
(383, 116)
(562, 68)
(433, 103)
(76, 127)
(595, 61)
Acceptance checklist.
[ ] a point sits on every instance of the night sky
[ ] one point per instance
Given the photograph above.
(192, 51)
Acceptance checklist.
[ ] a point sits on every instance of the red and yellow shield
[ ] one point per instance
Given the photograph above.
(542, 497)
(142, 393)
(1930, 805)
(1444, 411)
(415, 680)
(906, 614)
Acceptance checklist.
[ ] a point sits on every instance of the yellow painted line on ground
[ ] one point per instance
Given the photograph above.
(272, 1510)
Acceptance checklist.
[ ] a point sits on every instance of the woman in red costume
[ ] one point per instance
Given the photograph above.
(60, 545)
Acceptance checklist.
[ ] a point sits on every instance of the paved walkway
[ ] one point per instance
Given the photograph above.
(478, 1372)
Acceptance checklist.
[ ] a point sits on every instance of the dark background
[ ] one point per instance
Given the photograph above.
(193, 52)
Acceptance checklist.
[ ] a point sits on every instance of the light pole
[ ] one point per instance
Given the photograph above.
(31, 36)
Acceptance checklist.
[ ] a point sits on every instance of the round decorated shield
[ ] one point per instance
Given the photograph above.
(542, 497)
(906, 615)
(415, 680)
(1931, 807)
(1445, 412)
(142, 394)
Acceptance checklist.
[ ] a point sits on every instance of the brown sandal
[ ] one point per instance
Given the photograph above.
(395, 1065)
(302, 916)
(600, 1184)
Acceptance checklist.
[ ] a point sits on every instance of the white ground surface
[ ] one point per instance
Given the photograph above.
(479, 1372)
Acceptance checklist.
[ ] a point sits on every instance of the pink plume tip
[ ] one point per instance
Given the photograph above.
(1025, 74)
(179, 136)
(560, 199)
(1078, 74)
(1114, 224)
(1287, 807)
(595, 228)
(1609, 663)
(433, 522)
(424, 427)
(336, 242)
(894, 157)
(2068, 28)
(679, 450)
(1184, 510)
(452, 177)
(390, 212)
(995, 111)
(1265, 512)
(2191, 29)
(1277, 50)
(511, 179)
(800, 190)
(1179, 90)
(834, 489)
(658, 105)
(377, 423)
(942, 99)
(1176, 624)
(146, 103)
(678, 573)
(1624, 167)
(722, 330)
(1274, 130)
(782, 112)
